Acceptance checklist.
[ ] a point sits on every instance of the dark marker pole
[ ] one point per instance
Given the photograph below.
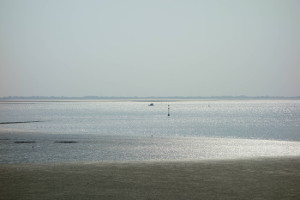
(168, 110)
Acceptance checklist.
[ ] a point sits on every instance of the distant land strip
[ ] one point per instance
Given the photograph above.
(19, 122)
(65, 98)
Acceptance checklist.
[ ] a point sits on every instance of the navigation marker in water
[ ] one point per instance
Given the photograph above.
(168, 110)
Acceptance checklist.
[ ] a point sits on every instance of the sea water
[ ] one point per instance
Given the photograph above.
(133, 130)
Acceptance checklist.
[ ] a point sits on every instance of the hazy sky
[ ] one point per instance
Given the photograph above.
(149, 48)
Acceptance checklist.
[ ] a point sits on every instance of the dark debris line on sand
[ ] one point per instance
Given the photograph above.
(24, 142)
(65, 141)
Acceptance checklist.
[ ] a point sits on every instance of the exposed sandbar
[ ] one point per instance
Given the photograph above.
(21, 122)
(264, 178)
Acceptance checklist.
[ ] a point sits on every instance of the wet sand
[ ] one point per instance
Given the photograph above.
(264, 178)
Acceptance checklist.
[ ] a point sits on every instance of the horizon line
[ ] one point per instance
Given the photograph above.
(91, 97)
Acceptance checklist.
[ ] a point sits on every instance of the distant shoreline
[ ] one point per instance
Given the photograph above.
(138, 99)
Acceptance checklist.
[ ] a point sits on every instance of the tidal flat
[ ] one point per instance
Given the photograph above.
(262, 178)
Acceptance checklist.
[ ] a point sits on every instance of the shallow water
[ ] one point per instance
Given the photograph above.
(101, 131)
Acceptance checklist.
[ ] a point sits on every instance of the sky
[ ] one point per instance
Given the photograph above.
(149, 48)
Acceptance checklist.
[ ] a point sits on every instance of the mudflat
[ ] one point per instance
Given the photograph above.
(263, 178)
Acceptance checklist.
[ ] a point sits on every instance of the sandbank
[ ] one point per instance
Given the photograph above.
(263, 178)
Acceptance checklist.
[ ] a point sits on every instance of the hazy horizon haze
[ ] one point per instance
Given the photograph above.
(149, 48)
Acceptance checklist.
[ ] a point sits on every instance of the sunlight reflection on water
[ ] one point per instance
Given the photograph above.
(279, 120)
(105, 148)
(136, 131)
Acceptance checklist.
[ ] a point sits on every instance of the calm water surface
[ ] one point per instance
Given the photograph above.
(136, 131)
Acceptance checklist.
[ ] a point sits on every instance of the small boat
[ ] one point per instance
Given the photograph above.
(151, 104)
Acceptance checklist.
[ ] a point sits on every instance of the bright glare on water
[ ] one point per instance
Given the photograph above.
(135, 131)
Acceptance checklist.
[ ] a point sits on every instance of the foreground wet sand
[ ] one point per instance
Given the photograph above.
(264, 178)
